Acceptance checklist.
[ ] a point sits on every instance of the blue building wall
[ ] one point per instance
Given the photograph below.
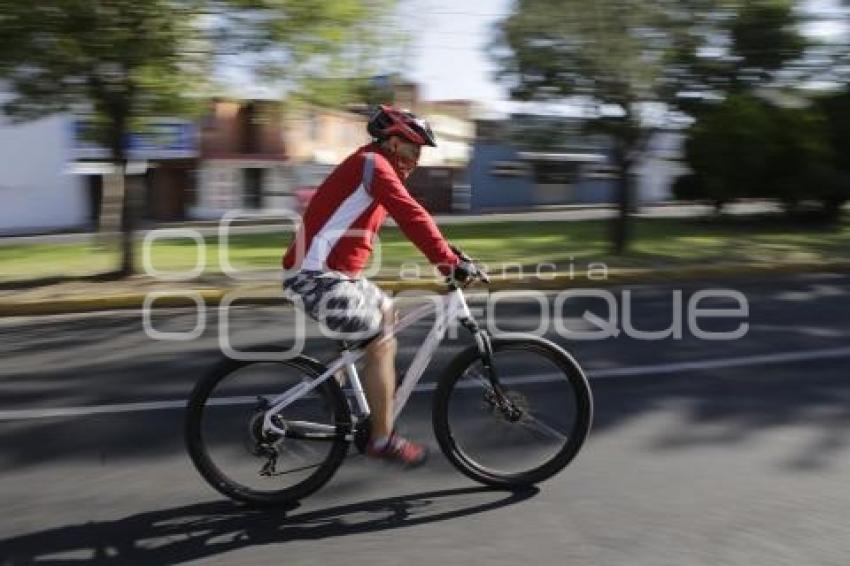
(595, 191)
(496, 191)
(491, 191)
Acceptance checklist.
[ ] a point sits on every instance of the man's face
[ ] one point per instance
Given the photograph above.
(407, 154)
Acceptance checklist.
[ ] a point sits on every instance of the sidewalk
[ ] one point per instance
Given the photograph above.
(134, 292)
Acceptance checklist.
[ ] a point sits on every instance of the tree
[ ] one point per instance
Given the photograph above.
(623, 54)
(748, 147)
(610, 52)
(726, 149)
(836, 110)
(756, 133)
(800, 158)
(122, 60)
(729, 46)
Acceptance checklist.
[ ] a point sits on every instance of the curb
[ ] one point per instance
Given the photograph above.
(552, 282)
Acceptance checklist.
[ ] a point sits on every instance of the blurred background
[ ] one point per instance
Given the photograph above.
(669, 147)
(733, 113)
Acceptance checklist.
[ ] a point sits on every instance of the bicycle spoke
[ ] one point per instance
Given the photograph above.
(268, 464)
(543, 427)
(518, 428)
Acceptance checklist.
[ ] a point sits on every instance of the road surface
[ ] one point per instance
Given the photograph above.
(702, 452)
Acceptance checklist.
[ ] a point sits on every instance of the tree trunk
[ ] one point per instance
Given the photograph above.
(620, 225)
(127, 229)
(127, 215)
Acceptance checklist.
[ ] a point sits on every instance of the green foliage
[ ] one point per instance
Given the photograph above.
(725, 46)
(610, 51)
(125, 59)
(552, 49)
(621, 52)
(747, 147)
(119, 59)
(688, 187)
(764, 36)
(726, 148)
(322, 52)
(836, 110)
(799, 156)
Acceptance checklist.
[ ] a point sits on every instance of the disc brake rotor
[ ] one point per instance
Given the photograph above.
(517, 405)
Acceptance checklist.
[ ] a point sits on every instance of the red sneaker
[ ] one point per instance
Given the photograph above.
(400, 450)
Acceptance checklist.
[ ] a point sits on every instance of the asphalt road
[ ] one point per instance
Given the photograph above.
(702, 452)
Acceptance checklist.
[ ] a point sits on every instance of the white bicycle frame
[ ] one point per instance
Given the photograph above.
(448, 307)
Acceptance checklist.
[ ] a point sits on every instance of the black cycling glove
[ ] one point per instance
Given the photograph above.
(463, 272)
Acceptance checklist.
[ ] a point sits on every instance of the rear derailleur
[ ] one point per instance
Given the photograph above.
(264, 445)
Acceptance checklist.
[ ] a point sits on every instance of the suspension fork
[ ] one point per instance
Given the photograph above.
(485, 351)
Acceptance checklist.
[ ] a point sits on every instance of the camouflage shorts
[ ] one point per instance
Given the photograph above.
(350, 309)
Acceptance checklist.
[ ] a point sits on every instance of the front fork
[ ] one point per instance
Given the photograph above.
(497, 396)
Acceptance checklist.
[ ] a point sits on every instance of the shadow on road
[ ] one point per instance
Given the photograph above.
(181, 534)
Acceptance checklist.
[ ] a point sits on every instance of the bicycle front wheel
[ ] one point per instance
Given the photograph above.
(225, 438)
(531, 437)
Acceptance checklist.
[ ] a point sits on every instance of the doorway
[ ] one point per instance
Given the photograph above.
(253, 188)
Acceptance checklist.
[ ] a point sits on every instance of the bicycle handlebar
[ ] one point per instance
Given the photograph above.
(479, 273)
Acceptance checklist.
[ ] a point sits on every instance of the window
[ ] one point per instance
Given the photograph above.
(509, 169)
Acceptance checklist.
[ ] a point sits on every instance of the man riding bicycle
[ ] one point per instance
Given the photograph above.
(324, 262)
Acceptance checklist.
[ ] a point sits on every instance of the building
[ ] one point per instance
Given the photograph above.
(242, 162)
(162, 157)
(529, 161)
(36, 188)
(51, 174)
(661, 166)
(318, 139)
(255, 155)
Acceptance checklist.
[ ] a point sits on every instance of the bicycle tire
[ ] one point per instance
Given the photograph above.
(330, 392)
(448, 387)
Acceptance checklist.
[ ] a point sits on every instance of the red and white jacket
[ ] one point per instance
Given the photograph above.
(347, 210)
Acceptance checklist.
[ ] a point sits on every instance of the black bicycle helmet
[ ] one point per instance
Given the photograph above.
(387, 121)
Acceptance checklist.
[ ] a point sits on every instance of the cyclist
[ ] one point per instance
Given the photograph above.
(323, 264)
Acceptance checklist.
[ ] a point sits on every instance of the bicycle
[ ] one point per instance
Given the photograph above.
(490, 412)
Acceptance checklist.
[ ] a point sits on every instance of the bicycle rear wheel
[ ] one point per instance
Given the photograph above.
(225, 440)
(491, 445)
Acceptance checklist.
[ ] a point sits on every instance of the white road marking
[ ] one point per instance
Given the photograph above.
(721, 363)
(634, 371)
(90, 410)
